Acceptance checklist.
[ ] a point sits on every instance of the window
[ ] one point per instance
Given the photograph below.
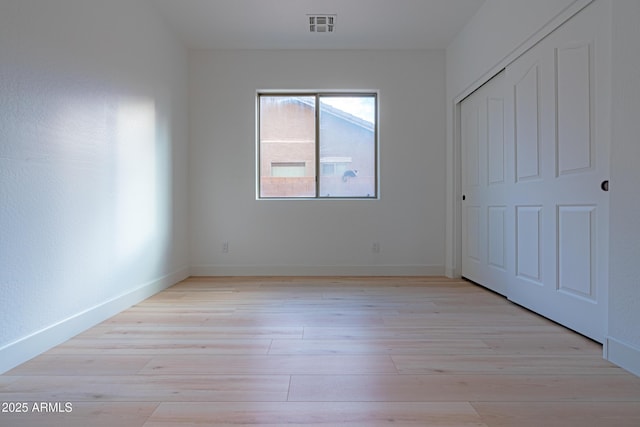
(317, 145)
(288, 169)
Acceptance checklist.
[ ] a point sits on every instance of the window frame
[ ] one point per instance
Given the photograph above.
(317, 95)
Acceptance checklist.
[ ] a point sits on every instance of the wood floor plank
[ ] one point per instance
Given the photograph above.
(502, 365)
(462, 319)
(83, 414)
(463, 387)
(151, 346)
(554, 414)
(296, 319)
(536, 333)
(56, 365)
(272, 364)
(156, 388)
(157, 317)
(347, 414)
(558, 345)
(194, 332)
(373, 347)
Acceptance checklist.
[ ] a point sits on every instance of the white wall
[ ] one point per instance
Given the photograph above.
(317, 236)
(624, 269)
(478, 49)
(93, 166)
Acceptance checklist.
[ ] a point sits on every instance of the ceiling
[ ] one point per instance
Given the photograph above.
(282, 24)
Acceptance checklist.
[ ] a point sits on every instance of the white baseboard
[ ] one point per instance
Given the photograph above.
(322, 270)
(451, 273)
(17, 352)
(622, 354)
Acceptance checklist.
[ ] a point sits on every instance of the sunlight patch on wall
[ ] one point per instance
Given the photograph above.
(136, 180)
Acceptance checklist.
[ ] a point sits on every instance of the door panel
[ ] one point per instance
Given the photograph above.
(497, 235)
(472, 147)
(495, 140)
(573, 108)
(528, 243)
(473, 230)
(483, 177)
(527, 139)
(576, 251)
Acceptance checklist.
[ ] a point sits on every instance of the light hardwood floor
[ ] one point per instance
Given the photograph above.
(325, 351)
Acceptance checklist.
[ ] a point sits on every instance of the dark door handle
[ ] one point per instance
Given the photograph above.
(464, 197)
(605, 185)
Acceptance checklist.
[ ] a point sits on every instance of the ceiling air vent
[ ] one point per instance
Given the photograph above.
(322, 23)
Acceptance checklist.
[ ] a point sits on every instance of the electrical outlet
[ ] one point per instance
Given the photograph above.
(225, 247)
(375, 248)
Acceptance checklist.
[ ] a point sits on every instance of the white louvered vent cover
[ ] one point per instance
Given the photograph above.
(322, 23)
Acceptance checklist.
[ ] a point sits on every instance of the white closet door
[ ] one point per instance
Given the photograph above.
(558, 119)
(484, 212)
(535, 219)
